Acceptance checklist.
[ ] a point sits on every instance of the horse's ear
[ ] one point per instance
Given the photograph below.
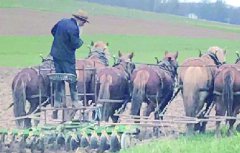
(157, 60)
(200, 53)
(176, 55)
(166, 52)
(92, 43)
(114, 59)
(237, 53)
(89, 47)
(41, 56)
(225, 51)
(119, 53)
(131, 55)
(107, 44)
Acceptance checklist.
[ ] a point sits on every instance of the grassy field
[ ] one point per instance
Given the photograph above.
(96, 9)
(25, 50)
(196, 144)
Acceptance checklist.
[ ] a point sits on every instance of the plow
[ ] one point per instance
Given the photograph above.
(68, 137)
(92, 136)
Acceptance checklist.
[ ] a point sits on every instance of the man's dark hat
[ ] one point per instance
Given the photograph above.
(81, 15)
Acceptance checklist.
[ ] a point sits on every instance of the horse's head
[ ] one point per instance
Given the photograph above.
(47, 62)
(169, 62)
(99, 51)
(217, 54)
(126, 61)
(99, 46)
(171, 58)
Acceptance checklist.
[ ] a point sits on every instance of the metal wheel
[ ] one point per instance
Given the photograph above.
(125, 140)
(114, 143)
(74, 143)
(84, 142)
(93, 142)
(103, 145)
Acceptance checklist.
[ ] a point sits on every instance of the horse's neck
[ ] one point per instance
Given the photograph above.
(123, 69)
(97, 57)
(94, 58)
(167, 69)
(45, 68)
(207, 59)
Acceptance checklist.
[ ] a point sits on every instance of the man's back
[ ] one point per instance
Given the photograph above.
(66, 40)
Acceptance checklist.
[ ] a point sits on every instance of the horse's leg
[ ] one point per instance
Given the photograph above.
(189, 110)
(206, 113)
(147, 109)
(27, 121)
(34, 102)
(202, 98)
(220, 111)
(231, 122)
(34, 106)
(156, 129)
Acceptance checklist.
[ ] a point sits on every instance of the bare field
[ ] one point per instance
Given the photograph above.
(18, 21)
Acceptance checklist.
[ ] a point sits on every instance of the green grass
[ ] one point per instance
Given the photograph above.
(97, 9)
(21, 51)
(196, 144)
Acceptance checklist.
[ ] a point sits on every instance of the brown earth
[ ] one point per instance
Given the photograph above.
(29, 22)
(18, 21)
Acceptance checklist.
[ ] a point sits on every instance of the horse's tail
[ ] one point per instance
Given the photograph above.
(191, 90)
(227, 95)
(19, 98)
(104, 93)
(138, 93)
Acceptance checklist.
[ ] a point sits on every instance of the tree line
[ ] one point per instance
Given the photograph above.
(217, 11)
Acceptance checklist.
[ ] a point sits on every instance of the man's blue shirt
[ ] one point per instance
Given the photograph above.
(66, 40)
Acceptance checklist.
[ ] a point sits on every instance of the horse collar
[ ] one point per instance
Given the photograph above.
(100, 55)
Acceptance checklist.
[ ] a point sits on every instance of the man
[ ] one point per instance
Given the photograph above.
(66, 41)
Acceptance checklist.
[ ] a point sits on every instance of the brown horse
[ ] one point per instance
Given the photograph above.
(26, 86)
(196, 76)
(227, 93)
(114, 85)
(154, 85)
(97, 58)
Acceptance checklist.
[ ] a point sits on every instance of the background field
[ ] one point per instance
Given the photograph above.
(25, 50)
(25, 34)
(146, 34)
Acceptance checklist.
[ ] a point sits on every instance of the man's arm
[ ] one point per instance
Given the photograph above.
(75, 40)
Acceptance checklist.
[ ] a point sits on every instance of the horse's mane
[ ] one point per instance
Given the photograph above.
(167, 66)
(100, 54)
(46, 66)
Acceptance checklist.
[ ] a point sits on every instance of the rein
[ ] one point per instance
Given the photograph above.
(215, 59)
